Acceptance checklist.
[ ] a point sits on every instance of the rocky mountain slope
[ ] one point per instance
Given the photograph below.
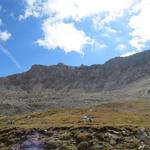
(115, 73)
(67, 86)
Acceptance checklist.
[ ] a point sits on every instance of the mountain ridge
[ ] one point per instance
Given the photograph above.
(82, 65)
(121, 67)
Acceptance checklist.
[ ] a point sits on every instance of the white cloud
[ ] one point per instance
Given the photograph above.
(64, 36)
(137, 43)
(32, 8)
(113, 10)
(96, 20)
(121, 47)
(4, 35)
(57, 32)
(141, 25)
(96, 46)
(74, 9)
(101, 46)
(30, 2)
(111, 30)
(129, 54)
(77, 9)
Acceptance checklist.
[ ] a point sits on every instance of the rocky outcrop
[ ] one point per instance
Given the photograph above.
(83, 138)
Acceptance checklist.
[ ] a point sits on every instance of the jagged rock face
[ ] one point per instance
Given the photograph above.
(115, 73)
(57, 77)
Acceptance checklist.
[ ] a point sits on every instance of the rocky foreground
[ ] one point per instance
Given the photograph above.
(116, 126)
(83, 138)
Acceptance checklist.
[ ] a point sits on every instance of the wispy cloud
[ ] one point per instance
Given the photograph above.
(5, 36)
(10, 56)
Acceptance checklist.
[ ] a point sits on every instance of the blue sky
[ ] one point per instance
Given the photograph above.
(73, 32)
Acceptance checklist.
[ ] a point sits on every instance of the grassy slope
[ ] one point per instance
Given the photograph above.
(135, 113)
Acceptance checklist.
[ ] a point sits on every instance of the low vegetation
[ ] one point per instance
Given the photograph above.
(135, 113)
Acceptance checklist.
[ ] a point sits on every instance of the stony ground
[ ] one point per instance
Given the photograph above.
(113, 126)
(83, 138)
